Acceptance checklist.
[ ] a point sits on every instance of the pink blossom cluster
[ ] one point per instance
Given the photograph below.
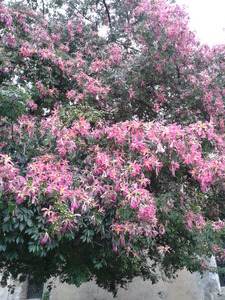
(83, 171)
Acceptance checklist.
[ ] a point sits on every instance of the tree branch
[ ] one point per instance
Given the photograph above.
(108, 15)
(43, 7)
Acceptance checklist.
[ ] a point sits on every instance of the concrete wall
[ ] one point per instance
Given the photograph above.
(20, 292)
(186, 287)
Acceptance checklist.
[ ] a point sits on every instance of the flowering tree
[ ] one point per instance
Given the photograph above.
(112, 150)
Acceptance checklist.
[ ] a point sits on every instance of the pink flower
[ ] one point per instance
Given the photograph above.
(71, 94)
(45, 239)
(174, 167)
(115, 248)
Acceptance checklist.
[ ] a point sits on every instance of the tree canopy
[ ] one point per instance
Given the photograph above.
(112, 161)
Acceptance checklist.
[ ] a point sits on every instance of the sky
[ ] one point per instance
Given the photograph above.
(207, 18)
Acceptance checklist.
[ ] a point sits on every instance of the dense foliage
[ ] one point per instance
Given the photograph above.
(112, 142)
